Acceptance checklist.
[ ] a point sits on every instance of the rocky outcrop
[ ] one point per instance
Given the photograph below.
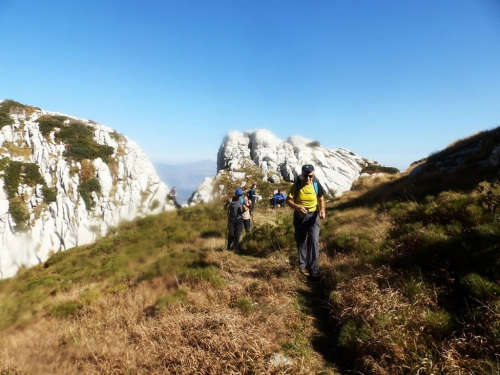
(64, 182)
(336, 169)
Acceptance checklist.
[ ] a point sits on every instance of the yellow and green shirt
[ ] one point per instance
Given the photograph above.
(306, 196)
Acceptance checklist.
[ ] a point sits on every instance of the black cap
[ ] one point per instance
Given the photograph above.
(307, 168)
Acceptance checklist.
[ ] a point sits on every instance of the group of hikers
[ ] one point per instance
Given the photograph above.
(306, 197)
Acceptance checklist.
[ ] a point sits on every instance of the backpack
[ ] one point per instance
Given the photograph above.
(235, 210)
(297, 188)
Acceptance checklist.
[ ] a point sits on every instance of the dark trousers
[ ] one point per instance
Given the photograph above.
(307, 240)
(246, 224)
(234, 232)
(252, 206)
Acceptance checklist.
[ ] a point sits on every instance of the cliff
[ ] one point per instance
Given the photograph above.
(64, 182)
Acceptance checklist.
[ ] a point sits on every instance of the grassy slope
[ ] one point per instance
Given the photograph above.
(159, 296)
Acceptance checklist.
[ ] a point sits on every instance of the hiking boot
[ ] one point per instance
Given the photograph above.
(303, 271)
(314, 277)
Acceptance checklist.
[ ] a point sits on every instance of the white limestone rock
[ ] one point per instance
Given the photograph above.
(130, 188)
(336, 169)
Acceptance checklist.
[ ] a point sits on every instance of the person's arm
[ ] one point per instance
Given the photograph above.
(322, 211)
(296, 206)
(246, 204)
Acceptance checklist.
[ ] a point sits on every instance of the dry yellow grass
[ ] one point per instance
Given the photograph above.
(209, 332)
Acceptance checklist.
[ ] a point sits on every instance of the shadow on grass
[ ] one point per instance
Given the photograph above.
(314, 300)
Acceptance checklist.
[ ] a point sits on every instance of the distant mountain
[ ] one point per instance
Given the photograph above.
(186, 177)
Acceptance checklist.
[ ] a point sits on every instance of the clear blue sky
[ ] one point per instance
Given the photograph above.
(390, 80)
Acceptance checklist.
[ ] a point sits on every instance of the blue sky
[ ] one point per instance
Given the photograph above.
(389, 80)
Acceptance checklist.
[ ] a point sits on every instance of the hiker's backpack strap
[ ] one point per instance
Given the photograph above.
(297, 188)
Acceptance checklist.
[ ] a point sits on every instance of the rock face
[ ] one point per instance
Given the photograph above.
(64, 182)
(336, 169)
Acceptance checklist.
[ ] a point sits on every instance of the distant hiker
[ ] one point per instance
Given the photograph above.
(278, 199)
(246, 215)
(252, 195)
(235, 207)
(306, 198)
(173, 197)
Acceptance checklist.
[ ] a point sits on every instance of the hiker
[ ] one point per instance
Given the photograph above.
(252, 195)
(246, 215)
(306, 198)
(278, 200)
(173, 197)
(235, 207)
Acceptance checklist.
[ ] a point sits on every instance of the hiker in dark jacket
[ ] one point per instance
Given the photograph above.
(235, 207)
(306, 198)
(252, 195)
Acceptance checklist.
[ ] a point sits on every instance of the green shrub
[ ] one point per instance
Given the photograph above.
(12, 177)
(32, 175)
(354, 334)
(19, 212)
(103, 247)
(80, 144)
(9, 106)
(47, 123)
(379, 169)
(49, 194)
(245, 305)
(86, 188)
(479, 287)
(179, 296)
(438, 323)
(5, 119)
(6, 108)
(65, 309)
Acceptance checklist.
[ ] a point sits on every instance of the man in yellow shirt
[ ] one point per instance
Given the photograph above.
(306, 198)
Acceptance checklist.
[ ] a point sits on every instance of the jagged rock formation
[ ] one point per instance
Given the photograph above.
(336, 169)
(64, 181)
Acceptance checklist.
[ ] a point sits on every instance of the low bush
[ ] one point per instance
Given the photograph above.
(86, 188)
(48, 123)
(6, 108)
(65, 309)
(49, 194)
(370, 169)
(19, 212)
(78, 137)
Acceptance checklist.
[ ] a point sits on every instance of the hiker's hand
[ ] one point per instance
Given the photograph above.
(303, 210)
(322, 214)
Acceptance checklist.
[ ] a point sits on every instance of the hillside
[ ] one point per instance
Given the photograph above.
(64, 182)
(410, 284)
